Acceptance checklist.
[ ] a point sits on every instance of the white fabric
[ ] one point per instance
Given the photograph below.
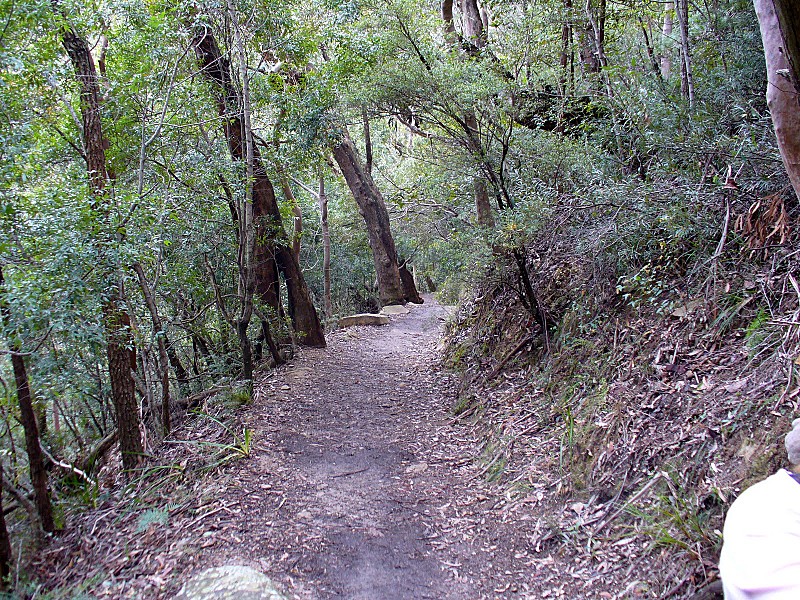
(760, 557)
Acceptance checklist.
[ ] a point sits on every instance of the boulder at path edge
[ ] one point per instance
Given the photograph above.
(363, 319)
(230, 582)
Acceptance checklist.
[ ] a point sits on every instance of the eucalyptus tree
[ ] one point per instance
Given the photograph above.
(273, 251)
(372, 208)
(119, 340)
(779, 21)
(36, 464)
(474, 38)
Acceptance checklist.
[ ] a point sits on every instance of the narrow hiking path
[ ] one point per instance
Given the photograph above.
(359, 485)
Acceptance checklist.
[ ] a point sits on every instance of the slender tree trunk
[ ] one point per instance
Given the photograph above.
(5, 543)
(297, 213)
(648, 45)
(37, 471)
(272, 251)
(283, 179)
(247, 240)
(181, 375)
(682, 8)
(447, 18)
(666, 36)
(32, 444)
(782, 97)
(326, 246)
(162, 342)
(482, 204)
(121, 365)
(373, 210)
(566, 45)
(475, 35)
(119, 342)
(367, 141)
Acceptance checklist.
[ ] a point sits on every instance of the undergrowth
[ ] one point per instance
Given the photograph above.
(663, 381)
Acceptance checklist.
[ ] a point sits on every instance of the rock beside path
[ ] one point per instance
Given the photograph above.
(229, 583)
(395, 309)
(363, 319)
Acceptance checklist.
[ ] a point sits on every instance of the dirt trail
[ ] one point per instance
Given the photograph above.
(360, 487)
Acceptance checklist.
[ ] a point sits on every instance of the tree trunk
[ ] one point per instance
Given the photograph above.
(161, 340)
(788, 13)
(782, 97)
(687, 81)
(482, 204)
(301, 309)
(429, 282)
(589, 60)
(447, 17)
(297, 214)
(119, 342)
(326, 246)
(247, 241)
(32, 444)
(121, 364)
(5, 543)
(272, 251)
(409, 285)
(475, 33)
(181, 375)
(373, 210)
(246, 350)
(37, 471)
(367, 141)
(666, 35)
(266, 335)
(565, 60)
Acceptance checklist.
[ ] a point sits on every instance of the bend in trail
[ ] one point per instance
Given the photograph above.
(360, 486)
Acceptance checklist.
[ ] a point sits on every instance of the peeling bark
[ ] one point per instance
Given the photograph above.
(119, 342)
(372, 208)
(782, 97)
(273, 251)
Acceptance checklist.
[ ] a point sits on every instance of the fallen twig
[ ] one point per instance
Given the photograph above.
(630, 500)
(496, 371)
(350, 473)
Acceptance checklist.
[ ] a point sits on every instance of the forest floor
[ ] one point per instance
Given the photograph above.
(359, 484)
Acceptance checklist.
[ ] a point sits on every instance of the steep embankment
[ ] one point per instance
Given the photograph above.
(647, 409)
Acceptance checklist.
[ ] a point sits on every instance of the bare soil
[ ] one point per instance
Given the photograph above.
(359, 484)
(362, 486)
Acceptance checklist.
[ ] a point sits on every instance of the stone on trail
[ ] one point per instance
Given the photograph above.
(363, 319)
(230, 582)
(394, 309)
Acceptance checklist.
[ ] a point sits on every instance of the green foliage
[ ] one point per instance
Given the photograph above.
(755, 332)
(152, 516)
(238, 397)
(631, 184)
(240, 446)
(679, 520)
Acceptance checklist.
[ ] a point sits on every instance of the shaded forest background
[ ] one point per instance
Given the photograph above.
(597, 184)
